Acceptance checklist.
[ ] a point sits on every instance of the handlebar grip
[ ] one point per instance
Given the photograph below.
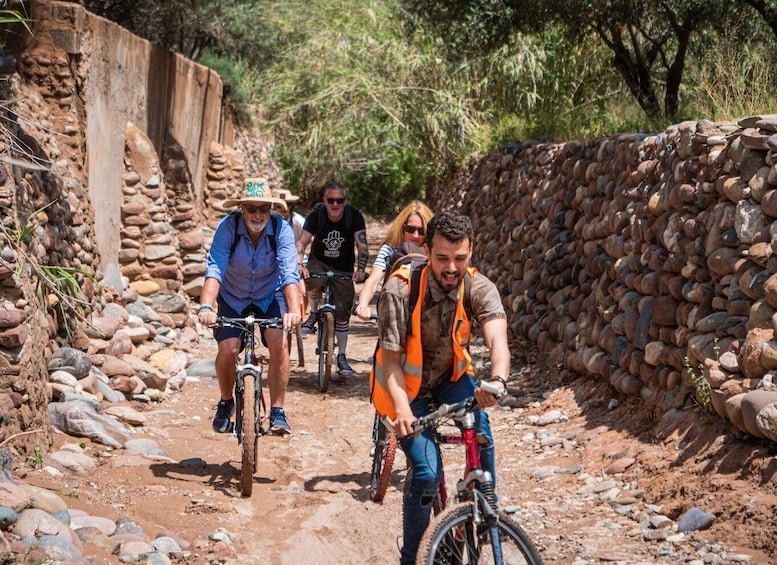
(386, 421)
(492, 388)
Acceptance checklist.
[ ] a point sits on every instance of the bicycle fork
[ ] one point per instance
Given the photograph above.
(256, 372)
(484, 507)
(322, 309)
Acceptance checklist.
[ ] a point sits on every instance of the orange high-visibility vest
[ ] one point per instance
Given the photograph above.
(412, 359)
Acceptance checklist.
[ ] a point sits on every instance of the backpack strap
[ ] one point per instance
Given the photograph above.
(414, 293)
(275, 219)
(235, 215)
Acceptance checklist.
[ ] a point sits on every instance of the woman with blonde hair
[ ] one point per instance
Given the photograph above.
(408, 227)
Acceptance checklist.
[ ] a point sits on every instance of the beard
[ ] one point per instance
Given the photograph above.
(449, 280)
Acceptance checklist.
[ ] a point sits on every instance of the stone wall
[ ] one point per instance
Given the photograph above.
(116, 156)
(646, 261)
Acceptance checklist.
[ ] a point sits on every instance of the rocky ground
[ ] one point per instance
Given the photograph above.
(590, 477)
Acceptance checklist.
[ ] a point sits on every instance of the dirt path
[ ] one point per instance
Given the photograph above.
(557, 452)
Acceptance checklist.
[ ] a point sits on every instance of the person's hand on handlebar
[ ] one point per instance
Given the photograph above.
(291, 320)
(489, 393)
(403, 424)
(363, 311)
(359, 276)
(206, 317)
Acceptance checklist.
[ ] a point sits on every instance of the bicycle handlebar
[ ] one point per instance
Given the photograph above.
(247, 322)
(458, 409)
(330, 275)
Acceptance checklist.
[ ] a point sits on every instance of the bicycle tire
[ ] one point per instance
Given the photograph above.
(300, 347)
(382, 462)
(249, 436)
(326, 350)
(454, 538)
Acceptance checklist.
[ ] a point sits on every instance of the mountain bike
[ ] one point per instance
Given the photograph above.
(474, 530)
(325, 345)
(250, 408)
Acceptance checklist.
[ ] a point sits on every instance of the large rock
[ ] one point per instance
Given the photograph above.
(752, 404)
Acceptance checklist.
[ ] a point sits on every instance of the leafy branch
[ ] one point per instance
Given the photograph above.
(8, 16)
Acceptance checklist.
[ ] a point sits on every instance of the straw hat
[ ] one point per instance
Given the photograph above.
(287, 195)
(257, 191)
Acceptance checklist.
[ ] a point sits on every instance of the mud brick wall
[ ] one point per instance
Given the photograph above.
(646, 261)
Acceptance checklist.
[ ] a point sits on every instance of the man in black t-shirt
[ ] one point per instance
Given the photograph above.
(334, 229)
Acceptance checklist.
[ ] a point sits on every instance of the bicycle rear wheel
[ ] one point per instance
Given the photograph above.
(326, 350)
(249, 437)
(454, 537)
(385, 446)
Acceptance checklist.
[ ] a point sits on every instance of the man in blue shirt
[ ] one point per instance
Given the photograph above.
(252, 267)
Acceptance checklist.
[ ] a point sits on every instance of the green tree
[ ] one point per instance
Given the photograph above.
(767, 11)
(649, 41)
(348, 97)
(224, 27)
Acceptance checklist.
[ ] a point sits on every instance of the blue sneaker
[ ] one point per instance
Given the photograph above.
(222, 421)
(279, 426)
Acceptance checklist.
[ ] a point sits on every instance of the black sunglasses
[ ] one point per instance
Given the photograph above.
(251, 209)
(335, 200)
(413, 229)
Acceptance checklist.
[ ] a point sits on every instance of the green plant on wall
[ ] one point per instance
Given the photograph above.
(58, 286)
(702, 385)
(36, 459)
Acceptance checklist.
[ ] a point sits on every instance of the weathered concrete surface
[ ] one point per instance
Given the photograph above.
(119, 78)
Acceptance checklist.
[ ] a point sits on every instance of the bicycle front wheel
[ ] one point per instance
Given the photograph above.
(454, 537)
(326, 350)
(382, 461)
(249, 438)
(300, 348)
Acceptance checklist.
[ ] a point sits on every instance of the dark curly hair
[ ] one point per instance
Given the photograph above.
(450, 225)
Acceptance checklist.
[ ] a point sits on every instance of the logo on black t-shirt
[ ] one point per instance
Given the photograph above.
(333, 242)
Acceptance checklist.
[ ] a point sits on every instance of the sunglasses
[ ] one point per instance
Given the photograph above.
(335, 200)
(251, 209)
(413, 229)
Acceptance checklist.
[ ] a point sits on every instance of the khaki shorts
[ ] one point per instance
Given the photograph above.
(343, 291)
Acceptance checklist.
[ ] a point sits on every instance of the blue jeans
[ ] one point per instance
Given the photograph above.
(424, 458)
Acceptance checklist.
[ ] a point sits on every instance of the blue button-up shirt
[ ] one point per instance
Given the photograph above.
(252, 275)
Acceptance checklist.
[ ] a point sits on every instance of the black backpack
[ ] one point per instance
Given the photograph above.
(405, 254)
(276, 222)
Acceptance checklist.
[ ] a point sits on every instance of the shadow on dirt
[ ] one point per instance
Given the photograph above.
(361, 493)
(224, 477)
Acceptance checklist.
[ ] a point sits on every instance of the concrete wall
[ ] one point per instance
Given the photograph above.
(121, 78)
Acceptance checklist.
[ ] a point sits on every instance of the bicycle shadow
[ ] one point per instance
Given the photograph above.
(223, 477)
(361, 492)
